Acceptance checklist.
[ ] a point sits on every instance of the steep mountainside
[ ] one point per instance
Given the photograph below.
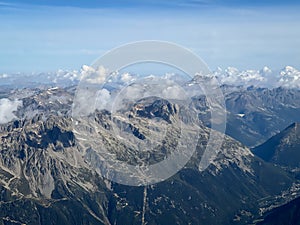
(282, 149)
(256, 114)
(284, 215)
(48, 178)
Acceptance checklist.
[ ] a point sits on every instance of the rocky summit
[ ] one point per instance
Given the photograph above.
(48, 177)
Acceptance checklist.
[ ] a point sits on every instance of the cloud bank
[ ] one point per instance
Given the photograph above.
(7, 109)
(288, 77)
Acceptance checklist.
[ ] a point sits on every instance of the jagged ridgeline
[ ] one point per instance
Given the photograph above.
(45, 178)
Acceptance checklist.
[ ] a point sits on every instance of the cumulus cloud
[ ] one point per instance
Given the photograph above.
(94, 75)
(103, 99)
(90, 94)
(233, 76)
(126, 77)
(288, 77)
(151, 86)
(148, 87)
(84, 103)
(174, 92)
(126, 87)
(7, 109)
(67, 75)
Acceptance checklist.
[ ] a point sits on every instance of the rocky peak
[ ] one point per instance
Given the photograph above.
(151, 108)
(38, 132)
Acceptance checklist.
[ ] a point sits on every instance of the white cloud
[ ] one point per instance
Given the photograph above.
(289, 78)
(103, 99)
(148, 87)
(84, 103)
(3, 75)
(233, 76)
(126, 77)
(7, 109)
(94, 75)
(173, 92)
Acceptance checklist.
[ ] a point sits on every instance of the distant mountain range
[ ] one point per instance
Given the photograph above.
(287, 77)
(48, 176)
(256, 114)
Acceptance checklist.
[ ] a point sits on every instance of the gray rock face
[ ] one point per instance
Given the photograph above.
(46, 178)
(256, 114)
(282, 149)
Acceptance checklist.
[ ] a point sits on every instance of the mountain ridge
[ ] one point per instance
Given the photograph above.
(44, 178)
(283, 148)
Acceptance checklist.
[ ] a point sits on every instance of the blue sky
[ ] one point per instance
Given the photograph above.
(47, 35)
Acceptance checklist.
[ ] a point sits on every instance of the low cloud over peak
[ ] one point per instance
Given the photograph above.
(7, 109)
